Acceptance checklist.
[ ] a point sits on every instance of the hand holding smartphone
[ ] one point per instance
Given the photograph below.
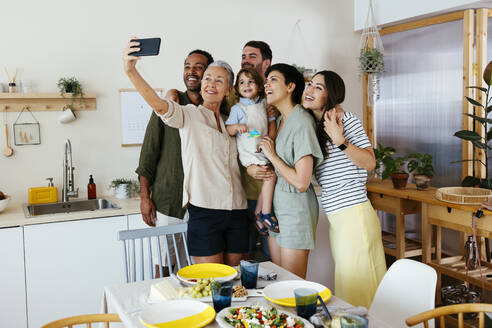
(148, 47)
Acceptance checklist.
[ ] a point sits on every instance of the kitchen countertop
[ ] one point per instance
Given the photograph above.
(13, 215)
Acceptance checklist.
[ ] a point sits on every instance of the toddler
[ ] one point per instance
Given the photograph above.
(248, 122)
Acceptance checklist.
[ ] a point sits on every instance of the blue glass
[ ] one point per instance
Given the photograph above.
(221, 295)
(306, 299)
(249, 273)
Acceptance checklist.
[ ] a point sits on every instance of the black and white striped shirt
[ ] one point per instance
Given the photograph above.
(343, 183)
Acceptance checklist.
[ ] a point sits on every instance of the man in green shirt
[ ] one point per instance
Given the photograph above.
(160, 169)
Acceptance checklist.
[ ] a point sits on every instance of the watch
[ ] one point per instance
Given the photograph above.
(343, 146)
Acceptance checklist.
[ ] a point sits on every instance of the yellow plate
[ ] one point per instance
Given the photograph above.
(177, 313)
(282, 292)
(219, 272)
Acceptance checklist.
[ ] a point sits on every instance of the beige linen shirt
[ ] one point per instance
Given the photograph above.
(210, 159)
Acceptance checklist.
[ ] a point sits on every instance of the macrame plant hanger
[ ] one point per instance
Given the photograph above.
(371, 58)
(302, 61)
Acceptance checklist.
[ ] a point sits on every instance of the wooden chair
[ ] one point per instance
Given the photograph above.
(459, 309)
(87, 319)
(128, 238)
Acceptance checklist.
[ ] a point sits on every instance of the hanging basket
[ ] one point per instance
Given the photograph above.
(371, 61)
(371, 57)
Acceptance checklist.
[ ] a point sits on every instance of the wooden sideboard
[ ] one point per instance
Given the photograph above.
(435, 215)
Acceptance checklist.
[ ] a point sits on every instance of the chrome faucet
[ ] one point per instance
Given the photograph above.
(68, 183)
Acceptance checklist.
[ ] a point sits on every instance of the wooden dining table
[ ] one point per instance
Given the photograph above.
(128, 300)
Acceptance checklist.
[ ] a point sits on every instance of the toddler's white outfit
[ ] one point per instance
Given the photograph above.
(253, 113)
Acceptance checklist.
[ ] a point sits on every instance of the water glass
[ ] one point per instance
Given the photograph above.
(221, 295)
(353, 321)
(306, 299)
(249, 273)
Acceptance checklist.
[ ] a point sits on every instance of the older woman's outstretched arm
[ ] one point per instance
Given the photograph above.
(159, 105)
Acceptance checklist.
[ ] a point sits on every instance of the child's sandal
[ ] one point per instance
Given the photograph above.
(262, 230)
(271, 221)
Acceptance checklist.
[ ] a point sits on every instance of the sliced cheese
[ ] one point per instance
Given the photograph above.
(163, 291)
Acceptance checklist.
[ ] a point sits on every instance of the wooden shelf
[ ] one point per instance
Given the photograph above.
(39, 102)
(413, 247)
(455, 267)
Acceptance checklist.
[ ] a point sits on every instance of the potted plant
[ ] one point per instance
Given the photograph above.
(395, 168)
(124, 188)
(71, 85)
(371, 60)
(482, 110)
(381, 153)
(422, 165)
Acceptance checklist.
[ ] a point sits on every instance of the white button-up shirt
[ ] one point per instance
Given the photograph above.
(210, 159)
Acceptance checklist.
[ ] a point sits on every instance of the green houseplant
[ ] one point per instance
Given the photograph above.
(124, 188)
(381, 152)
(475, 138)
(71, 85)
(422, 165)
(371, 60)
(389, 166)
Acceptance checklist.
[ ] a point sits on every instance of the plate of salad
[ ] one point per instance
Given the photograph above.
(258, 316)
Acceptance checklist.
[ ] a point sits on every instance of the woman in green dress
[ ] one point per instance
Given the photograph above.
(294, 154)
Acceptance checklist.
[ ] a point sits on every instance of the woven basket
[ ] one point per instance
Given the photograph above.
(464, 195)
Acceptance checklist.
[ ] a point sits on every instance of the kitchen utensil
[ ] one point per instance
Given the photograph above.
(325, 309)
(7, 151)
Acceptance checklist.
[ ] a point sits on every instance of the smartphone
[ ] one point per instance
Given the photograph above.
(148, 47)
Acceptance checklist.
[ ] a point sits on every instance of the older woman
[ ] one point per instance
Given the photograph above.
(212, 190)
(294, 155)
(355, 231)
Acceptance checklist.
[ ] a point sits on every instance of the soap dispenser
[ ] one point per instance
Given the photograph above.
(43, 195)
(91, 188)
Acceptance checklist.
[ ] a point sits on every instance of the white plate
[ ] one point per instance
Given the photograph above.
(221, 321)
(219, 272)
(282, 292)
(177, 313)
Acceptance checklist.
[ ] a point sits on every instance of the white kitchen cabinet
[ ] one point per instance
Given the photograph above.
(135, 221)
(68, 264)
(12, 287)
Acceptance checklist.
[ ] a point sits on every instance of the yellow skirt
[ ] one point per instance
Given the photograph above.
(357, 249)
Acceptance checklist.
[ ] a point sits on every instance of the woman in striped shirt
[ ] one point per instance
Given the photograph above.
(355, 231)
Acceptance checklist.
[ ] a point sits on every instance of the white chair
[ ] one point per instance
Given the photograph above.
(134, 252)
(409, 287)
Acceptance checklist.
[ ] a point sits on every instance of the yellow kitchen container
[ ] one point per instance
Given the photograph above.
(42, 195)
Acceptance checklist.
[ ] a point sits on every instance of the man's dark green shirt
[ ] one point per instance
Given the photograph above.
(160, 162)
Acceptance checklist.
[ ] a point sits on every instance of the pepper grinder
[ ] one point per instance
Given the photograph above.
(471, 260)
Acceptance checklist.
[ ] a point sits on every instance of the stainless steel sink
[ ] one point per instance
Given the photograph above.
(67, 207)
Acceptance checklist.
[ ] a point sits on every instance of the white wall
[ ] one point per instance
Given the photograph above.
(50, 39)
(392, 11)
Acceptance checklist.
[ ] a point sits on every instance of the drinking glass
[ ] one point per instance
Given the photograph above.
(306, 299)
(249, 273)
(221, 294)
